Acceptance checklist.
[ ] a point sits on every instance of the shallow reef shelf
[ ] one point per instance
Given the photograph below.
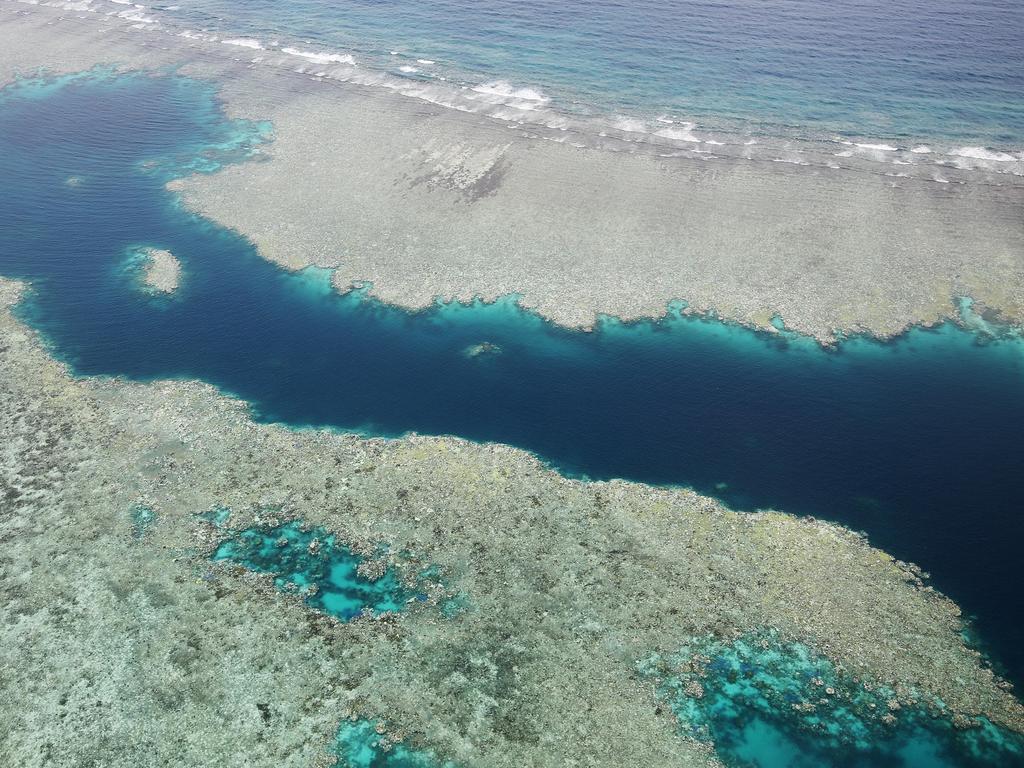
(309, 561)
(765, 702)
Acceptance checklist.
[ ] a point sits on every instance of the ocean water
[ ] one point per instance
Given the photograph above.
(916, 441)
(768, 703)
(910, 71)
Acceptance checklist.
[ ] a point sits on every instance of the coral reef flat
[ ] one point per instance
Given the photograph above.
(121, 642)
(421, 201)
(428, 207)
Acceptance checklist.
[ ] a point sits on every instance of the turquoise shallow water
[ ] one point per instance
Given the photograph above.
(309, 562)
(358, 745)
(768, 703)
(916, 442)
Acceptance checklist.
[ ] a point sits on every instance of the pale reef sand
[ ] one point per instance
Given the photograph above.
(130, 649)
(424, 202)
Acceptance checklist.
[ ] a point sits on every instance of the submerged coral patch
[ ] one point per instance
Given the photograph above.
(366, 744)
(218, 516)
(483, 349)
(767, 703)
(143, 518)
(310, 561)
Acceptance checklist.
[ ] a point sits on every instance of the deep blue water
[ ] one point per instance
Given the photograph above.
(910, 69)
(917, 441)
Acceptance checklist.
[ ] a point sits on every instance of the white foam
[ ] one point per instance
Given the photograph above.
(424, 61)
(879, 147)
(502, 89)
(714, 143)
(981, 153)
(407, 69)
(922, 150)
(683, 133)
(629, 125)
(136, 14)
(320, 58)
(244, 42)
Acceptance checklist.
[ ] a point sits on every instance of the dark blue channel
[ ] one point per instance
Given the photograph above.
(917, 441)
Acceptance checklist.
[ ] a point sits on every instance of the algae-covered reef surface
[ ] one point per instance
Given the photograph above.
(514, 610)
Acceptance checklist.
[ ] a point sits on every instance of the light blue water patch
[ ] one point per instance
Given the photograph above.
(143, 518)
(316, 281)
(132, 266)
(768, 703)
(358, 745)
(312, 563)
(218, 516)
(240, 141)
(981, 325)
